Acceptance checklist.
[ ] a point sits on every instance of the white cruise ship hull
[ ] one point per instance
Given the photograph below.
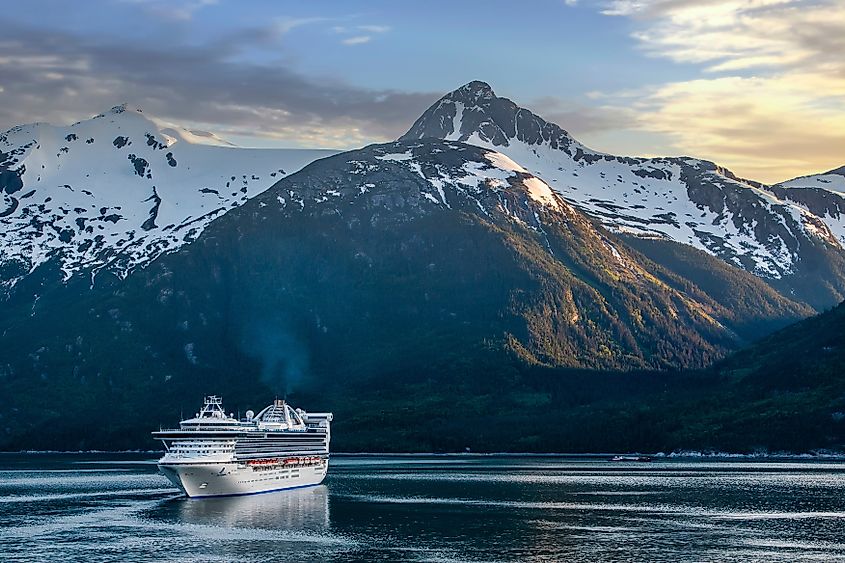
(217, 479)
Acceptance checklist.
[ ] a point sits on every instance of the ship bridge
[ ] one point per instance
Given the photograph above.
(212, 416)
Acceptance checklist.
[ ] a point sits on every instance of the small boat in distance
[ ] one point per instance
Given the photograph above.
(642, 458)
(213, 454)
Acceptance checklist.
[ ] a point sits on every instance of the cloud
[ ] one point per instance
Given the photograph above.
(285, 25)
(359, 34)
(770, 129)
(62, 77)
(584, 120)
(374, 28)
(738, 34)
(180, 10)
(357, 40)
(770, 100)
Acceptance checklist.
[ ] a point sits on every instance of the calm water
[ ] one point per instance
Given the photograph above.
(114, 508)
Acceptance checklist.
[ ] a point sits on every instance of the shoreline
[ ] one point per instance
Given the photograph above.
(680, 455)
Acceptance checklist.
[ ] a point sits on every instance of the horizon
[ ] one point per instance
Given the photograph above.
(768, 106)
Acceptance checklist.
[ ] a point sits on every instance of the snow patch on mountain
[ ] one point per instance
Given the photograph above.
(398, 157)
(120, 189)
(502, 161)
(495, 172)
(540, 191)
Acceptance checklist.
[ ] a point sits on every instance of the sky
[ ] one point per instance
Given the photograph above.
(755, 85)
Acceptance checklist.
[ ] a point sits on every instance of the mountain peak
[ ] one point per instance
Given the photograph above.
(474, 114)
(118, 109)
(474, 91)
(687, 200)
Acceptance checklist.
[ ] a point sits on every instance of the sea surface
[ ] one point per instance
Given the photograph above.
(115, 507)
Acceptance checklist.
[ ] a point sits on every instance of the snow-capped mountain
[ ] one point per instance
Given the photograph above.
(383, 267)
(686, 200)
(119, 189)
(821, 194)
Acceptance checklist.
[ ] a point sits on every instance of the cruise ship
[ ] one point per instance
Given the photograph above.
(215, 454)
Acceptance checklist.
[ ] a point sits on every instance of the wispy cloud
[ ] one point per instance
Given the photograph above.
(581, 119)
(374, 28)
(359, 34)
(178, 10)
(771, 97)
(286, 25)
(62, 77)
(737, 34)
(357, 40)
(768, 128)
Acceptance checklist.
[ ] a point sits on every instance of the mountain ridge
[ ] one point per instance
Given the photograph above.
(786, 234)
(683, 199)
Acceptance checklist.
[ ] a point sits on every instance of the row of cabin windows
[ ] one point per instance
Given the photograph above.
(194, 443)
(271, 478)
(202, 451)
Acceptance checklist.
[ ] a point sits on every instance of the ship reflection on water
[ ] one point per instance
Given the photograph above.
(305, 509)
